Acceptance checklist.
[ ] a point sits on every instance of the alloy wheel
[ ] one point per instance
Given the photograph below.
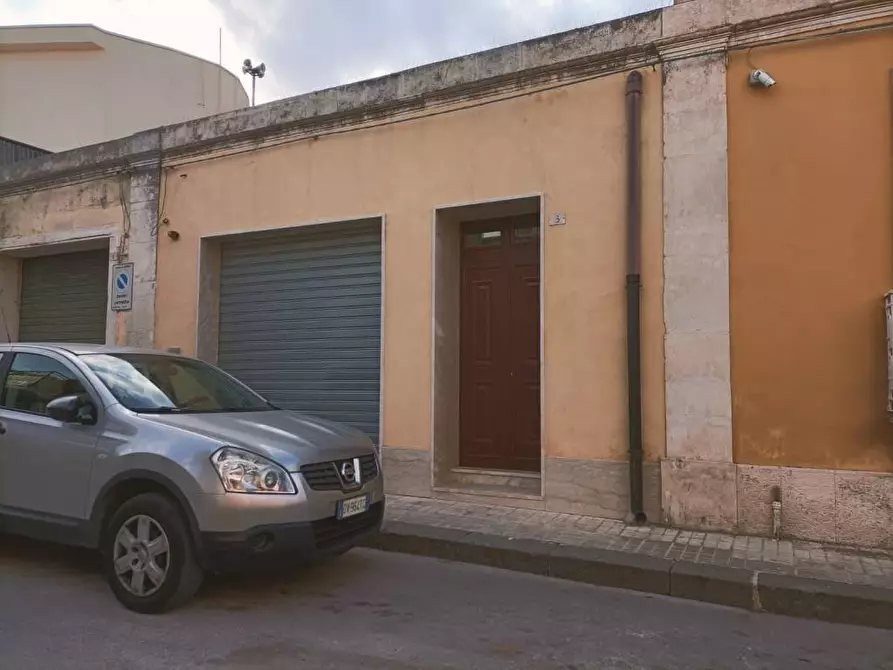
(141, 555)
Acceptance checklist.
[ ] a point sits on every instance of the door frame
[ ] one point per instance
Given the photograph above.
(437, 215)
(20, 249)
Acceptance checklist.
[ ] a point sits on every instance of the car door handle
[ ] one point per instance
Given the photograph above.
(2, 428)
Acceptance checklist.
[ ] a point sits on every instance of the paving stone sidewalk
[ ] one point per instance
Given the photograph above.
(787, 557)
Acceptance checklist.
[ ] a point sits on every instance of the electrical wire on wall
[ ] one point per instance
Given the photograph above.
(121, 253)
(161, 219)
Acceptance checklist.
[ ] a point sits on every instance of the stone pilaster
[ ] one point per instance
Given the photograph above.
(698, 477)
(137, 327)
(10, 288)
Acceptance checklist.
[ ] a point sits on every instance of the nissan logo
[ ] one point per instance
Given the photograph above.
(350, 472)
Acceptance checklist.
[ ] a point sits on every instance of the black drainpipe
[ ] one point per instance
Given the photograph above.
(634, 289)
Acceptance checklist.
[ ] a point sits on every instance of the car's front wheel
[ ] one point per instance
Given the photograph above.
(148, 557)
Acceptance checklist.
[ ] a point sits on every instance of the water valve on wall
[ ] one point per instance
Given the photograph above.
(888, 311)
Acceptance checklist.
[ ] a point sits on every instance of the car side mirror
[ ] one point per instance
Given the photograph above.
(72, 409)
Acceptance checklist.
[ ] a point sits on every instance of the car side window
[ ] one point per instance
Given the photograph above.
(34, 380)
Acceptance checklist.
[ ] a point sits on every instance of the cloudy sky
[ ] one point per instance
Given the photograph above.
(313, 44)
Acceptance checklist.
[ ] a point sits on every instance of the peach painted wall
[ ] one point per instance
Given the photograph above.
(811, 217)
(567, 143)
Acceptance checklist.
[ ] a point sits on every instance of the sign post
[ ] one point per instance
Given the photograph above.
(122, 287)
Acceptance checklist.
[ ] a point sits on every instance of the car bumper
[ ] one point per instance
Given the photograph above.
(238, 512)
(239, 530)
(287, 544)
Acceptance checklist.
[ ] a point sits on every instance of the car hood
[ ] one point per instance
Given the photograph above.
(289, 438)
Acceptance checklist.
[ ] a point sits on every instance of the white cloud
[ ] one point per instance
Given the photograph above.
(312, 44)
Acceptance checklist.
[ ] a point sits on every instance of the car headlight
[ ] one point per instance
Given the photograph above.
(242, 471)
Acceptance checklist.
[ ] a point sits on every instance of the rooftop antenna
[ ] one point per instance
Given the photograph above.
(256, 71)
(219, 69)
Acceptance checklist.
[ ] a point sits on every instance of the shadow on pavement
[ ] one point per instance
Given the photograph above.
(35, 555)
(234, 592)
(253, 590)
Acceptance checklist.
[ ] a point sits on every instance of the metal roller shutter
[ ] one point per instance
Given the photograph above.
(65, 298)
(300, 319)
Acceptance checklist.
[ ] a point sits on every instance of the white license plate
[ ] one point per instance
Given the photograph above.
(353, 506)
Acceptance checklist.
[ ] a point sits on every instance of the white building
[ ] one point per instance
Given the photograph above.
(72, 85)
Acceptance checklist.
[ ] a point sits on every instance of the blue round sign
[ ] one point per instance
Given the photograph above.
(121, 281)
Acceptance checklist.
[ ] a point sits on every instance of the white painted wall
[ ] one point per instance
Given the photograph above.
(68, 86)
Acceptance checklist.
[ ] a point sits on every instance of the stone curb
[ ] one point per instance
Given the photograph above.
(733, 587)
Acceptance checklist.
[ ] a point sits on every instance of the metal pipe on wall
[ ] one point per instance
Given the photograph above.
(634, 290)
(888, 312)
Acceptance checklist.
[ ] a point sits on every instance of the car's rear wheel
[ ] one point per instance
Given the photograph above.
(148, 556)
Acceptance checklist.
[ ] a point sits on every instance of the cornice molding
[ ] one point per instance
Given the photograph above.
(451, 86)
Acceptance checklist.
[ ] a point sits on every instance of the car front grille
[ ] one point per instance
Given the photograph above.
(369, 467)
(324, 476)
(332, 532)
(321, 477)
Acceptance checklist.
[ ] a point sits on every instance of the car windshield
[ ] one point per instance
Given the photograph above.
(157, 384)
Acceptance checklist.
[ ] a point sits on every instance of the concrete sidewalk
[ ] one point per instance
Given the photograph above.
(790, 577)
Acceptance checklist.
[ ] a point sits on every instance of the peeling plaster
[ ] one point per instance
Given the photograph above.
(67, 217)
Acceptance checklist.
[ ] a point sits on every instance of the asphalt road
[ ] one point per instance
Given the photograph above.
(376, 611)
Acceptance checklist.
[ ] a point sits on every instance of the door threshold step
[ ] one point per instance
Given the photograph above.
(493, 481)
(496, 473)
(487, 491)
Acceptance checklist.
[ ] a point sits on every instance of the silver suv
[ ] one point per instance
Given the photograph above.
(172, 468)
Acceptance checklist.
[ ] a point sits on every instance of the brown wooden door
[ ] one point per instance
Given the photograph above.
(500, 348)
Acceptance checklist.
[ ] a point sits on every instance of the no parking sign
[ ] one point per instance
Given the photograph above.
(122, 287)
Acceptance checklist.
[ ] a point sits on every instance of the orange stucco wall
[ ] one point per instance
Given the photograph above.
(811, 239)
(567, 143)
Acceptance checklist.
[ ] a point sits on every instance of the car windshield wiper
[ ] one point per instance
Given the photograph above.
(160, 410)
(199, 410)
(228, 410)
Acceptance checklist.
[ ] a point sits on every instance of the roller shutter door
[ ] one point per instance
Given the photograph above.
(300, 319)
(65, 298)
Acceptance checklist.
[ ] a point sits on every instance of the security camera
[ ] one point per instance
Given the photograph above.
(761, 78)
